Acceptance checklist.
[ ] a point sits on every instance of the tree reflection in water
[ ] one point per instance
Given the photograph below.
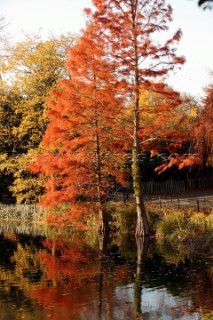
(81, 281)
(142, 247)
(68, 278)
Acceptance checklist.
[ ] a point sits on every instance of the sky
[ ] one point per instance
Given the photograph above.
(54, 17)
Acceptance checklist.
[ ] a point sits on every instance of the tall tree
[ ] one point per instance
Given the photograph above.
(83, 144)
(129, 30)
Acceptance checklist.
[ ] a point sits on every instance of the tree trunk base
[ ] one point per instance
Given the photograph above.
(142, 226)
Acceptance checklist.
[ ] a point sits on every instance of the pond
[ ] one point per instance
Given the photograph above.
(54, 274)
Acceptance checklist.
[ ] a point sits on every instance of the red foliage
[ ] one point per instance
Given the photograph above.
(84, 146)
(129, 30)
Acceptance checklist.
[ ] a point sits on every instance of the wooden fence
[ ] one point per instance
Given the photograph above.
(196, 204)
(177, 186)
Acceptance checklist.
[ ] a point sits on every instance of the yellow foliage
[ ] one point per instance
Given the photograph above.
(32, 69)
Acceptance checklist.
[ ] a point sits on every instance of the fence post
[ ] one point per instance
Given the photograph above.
(198, 206)
(178, 201)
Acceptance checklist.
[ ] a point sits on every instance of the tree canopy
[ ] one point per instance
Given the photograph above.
(31, 68)
(83, 145)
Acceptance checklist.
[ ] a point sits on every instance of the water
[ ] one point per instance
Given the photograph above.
(44, 275)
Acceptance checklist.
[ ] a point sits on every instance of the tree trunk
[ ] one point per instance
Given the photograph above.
(142, 226)
(101, 215)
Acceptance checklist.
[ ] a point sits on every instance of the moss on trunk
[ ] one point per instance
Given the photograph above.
(142, 226)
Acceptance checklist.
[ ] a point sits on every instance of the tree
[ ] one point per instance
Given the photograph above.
(204, 130)
(83, 144)
(32, 68)
(129, 32)
(36, 67)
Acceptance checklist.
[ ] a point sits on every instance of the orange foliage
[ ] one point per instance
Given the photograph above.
(76, 216)
(127, 28)
(181, 161)
(83, 147)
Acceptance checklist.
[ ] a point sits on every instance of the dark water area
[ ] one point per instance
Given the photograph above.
(58, 275)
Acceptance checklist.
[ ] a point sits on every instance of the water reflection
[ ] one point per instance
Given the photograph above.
(71, 277)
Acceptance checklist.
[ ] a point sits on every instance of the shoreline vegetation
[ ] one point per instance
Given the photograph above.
(180, 227)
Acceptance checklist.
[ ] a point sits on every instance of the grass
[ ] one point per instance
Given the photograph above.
(184, 224)
(186, 232)
(181, 230)
(207, 316)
